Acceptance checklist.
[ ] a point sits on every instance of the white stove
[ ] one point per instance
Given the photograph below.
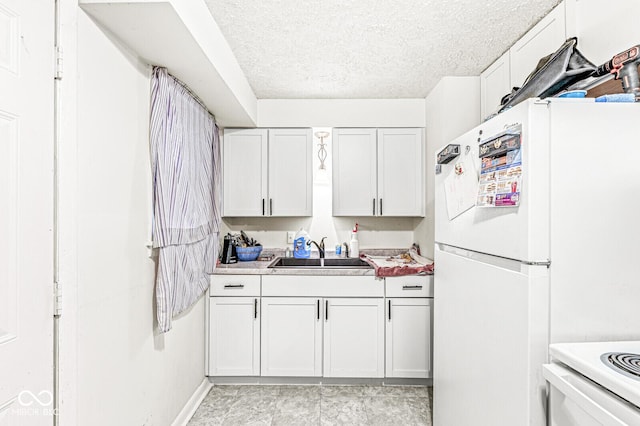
(594, 383)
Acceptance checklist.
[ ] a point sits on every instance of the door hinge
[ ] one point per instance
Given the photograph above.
(57, 299)
(58, 70)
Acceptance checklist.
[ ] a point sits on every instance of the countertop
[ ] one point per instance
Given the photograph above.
(261, 267)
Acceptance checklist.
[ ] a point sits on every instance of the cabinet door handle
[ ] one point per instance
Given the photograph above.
(318, 310)
(255, 308)
(326, 310)
(373, 212)
(270, 206)
(412, 287)
(263, 207)
(380, 206)
(389, 310)
(234, 286)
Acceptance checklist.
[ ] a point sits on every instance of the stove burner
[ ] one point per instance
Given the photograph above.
(623, 362)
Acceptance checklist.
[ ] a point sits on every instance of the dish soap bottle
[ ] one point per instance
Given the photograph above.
(354, 249)
(301, 246)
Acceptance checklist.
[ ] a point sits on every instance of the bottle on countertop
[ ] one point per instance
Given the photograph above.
(354, 246)
(301, 246)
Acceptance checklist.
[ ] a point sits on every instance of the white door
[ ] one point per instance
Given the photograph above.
(400, 172)
(234, 344)
(514, 232)
(290, 172)
(494, 84)
(408, 345)
(491, 327)
(354, 172)
(244, 168)
(26, 212)
(354, 338)
(291, 337)
(541, 40)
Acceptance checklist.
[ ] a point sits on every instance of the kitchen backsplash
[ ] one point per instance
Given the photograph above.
(372, 232)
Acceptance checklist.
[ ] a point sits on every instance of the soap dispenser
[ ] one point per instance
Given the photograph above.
(354, 248)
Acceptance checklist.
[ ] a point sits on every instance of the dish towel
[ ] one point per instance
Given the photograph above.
(408, 263)
(185, 162)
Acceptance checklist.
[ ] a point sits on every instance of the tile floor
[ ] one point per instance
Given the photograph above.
(315, 405)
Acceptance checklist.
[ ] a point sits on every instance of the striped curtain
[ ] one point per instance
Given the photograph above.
(185, 162)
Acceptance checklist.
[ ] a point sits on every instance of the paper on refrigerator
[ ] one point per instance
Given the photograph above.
(461, 188)
(501, 171)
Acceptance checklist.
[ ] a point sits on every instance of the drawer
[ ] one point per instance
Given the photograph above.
(409, 286)
(235, 285)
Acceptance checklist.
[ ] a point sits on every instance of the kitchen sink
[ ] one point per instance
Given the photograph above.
(339, 263)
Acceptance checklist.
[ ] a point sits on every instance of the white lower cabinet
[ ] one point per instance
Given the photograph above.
(291, 336)
(409, 328)
(408, 346)
(234, 330)
(354, 337)
(320, 326)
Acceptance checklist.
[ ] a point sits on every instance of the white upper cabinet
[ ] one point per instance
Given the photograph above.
(544, 38)
(400, 172)
(378, 172)
(267, 172)
(354, 172)
(494, 84)
(244, 165)
(586, 20)
(290, 172)
(515, 65)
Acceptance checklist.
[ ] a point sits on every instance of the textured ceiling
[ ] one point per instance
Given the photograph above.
(368, 48)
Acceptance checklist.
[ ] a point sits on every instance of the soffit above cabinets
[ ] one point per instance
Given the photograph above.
(183, 37)
(233, 53)
(368, 49)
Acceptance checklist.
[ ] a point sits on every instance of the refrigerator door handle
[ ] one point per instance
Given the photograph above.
(503, 262)
(547, 263)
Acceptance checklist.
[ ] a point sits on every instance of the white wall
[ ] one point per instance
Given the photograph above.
(340, 113)
(373, 232)
(452, 108)
(116, 368)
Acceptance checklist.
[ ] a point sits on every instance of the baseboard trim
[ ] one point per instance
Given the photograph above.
(193, 403)
(261, 380)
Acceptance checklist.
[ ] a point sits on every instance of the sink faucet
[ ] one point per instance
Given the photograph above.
(320, 246)
(346, 249)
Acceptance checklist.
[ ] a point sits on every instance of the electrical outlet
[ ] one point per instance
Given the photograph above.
(290, 236)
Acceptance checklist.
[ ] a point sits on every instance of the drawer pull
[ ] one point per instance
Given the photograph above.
(255, 308)
(234, 286)
(389, 309)
(318, 310)
(412, 287)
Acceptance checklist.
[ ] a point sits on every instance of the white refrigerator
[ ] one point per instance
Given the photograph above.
(552, 255)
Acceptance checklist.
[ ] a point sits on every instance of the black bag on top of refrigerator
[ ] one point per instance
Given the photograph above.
(554, 73)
